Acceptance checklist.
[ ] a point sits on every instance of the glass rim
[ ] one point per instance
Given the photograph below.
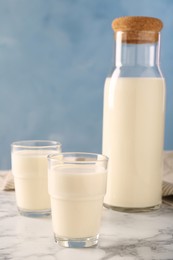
(98, 157)
(33, 144)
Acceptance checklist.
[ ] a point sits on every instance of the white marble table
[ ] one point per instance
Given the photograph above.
(123, 236)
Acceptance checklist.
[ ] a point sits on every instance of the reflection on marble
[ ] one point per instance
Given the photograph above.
(130, 236)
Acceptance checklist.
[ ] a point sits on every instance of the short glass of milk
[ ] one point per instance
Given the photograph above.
(30, 170)
(77, 185)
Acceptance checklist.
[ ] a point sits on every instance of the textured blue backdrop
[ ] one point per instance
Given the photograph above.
(54, 57)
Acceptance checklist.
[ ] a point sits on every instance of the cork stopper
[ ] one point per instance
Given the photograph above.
(138, 29)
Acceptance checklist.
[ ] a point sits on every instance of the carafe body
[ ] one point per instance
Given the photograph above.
(133, 121)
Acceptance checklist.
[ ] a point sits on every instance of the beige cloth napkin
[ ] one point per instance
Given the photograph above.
(7, 181)
(167, 188)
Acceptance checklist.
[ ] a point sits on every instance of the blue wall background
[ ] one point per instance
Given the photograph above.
(54, 57)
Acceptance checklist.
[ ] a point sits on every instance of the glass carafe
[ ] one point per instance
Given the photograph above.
(133, 116)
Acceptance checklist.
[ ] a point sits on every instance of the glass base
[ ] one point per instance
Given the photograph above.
(76, 242)
(34, 213)
(132, 210)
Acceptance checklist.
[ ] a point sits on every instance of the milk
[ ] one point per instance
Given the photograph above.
(133, 130)
(31, 180)
(76, 200)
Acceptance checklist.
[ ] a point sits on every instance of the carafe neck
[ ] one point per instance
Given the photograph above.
(137, 53)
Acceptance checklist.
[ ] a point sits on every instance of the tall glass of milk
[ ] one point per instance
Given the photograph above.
(133, 116)
(30, 170)
(77, 185)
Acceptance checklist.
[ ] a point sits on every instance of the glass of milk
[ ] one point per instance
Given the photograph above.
(77, 185)
(30, 170)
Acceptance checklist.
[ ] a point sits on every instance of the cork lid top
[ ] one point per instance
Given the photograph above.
(148, 26)
(137, 23)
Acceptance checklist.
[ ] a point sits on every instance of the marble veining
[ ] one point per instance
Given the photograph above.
(130, 236)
